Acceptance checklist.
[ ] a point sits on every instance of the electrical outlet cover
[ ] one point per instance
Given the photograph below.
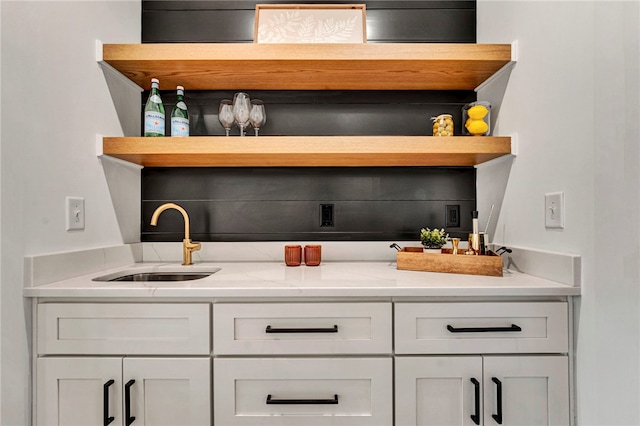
(452, 216)
(554, 210)
(75, 213)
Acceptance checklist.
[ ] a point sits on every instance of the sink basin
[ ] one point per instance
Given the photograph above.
(160, 274)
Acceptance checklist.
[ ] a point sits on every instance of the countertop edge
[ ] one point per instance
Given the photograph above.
(252, 293)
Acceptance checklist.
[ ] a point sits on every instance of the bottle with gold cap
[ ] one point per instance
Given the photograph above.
(154, 111)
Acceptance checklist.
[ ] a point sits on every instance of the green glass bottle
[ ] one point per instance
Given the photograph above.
(179, 115)
(154, 112)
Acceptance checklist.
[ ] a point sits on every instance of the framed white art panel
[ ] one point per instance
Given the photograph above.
(310, 23)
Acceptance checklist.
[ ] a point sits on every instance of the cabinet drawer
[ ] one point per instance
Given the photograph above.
(126, 328)
(303, 391)
(440, 328)
(302, 328)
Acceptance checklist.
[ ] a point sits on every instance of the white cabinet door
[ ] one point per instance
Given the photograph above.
(88, 391)
(438, 391)
(168, 391)
(526, 390)
(475, 390)
(79, 391)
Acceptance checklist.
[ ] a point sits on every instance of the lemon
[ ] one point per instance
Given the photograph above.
(477, 127)
(477, 112)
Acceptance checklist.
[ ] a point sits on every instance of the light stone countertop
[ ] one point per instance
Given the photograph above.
(255, 280)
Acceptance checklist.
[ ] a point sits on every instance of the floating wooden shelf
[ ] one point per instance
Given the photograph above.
(307, 151)
(253, 66)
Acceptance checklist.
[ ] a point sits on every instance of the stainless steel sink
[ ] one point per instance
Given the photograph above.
(160, 274)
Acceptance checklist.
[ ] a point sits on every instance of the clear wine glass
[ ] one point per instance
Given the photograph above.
(257, 116)
(241, 110)
(225, 114)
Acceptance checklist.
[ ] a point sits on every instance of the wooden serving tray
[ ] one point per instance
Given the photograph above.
(413, 259)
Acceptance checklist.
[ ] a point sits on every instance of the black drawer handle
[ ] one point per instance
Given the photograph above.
(270, 400)
(105, 394)
(476, 417)
(513, 328)
(498, 416)
(270, 329)
(127, 403)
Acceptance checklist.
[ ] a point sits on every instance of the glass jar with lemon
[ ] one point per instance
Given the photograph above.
(476, 118)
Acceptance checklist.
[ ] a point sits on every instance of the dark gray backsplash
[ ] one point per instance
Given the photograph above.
(280, 204)
(266, 204)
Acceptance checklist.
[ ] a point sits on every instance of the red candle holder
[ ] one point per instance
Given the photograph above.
(293, 255)
(312, 255)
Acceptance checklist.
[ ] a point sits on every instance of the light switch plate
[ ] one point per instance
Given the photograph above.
(554, 210)
(75, 213)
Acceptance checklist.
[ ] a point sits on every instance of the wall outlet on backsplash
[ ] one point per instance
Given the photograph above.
(326, 215)
(452, 217)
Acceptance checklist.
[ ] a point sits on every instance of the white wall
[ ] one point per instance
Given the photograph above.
(1, 311)
(573, 99)
(55, 99)
(577, 71)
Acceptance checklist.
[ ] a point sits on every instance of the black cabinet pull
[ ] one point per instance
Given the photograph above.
(476, 417)
(270, 329)
(270, 400)
(105, 404)
(127, 403)
(513, 328)
(498, 417)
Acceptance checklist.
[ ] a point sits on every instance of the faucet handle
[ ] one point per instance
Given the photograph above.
(193, 246)
(189, 247)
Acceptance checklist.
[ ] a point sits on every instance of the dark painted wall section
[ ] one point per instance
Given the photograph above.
(263, 204)
(449, 21)
(240, 204)
(327, 113)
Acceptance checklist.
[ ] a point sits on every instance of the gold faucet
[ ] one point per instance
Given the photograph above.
(187, 246)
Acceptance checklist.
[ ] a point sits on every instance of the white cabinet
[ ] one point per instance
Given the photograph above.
(303, 363)
(105, 389)
(482, 390)
(530, 390)
(436, 391)
(518, 374)
(79, 391)
(169, 391)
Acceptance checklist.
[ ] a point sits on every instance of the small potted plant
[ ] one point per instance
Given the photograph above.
(433, 240)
